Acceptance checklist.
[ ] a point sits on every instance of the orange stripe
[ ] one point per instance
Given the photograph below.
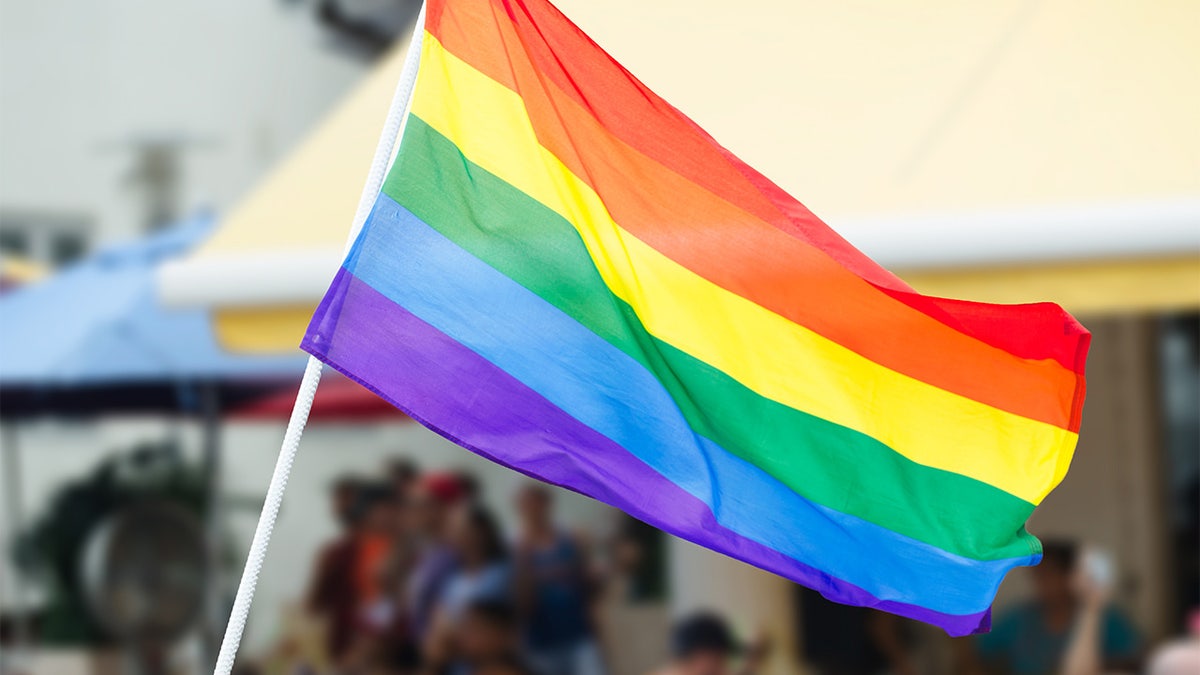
(739, 250)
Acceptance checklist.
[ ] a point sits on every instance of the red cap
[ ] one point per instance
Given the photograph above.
(446, 488)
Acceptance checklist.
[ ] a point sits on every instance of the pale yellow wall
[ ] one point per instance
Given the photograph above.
(860, 107)
(1088, 287)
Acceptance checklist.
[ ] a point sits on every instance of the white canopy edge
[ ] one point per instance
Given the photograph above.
(249, 278)
(1024, 236)
(1029, 235)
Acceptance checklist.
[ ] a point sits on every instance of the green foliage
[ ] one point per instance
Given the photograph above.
(52, 548)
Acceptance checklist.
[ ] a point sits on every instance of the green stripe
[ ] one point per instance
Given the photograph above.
(837, 467)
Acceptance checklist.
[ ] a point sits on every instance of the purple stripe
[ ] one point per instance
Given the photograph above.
(462, 396)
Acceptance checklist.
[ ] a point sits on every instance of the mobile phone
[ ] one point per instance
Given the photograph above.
(1099, 567)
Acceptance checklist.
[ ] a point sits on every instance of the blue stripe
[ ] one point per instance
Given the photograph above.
(416, 267)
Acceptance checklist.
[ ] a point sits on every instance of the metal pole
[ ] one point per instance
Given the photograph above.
(13, 522)
(216, 610)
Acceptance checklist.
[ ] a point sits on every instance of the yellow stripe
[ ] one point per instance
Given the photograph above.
(766, 352)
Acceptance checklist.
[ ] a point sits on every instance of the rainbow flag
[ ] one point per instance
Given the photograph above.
(566, 275)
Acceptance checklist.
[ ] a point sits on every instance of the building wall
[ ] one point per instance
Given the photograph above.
(237, 83)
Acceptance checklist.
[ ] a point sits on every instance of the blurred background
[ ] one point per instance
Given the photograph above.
(176, 183)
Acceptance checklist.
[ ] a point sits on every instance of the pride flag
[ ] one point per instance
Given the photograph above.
(566, 275)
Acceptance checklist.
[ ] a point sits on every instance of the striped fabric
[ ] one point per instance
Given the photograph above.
(566, 275)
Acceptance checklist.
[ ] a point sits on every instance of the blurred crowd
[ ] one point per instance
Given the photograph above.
(1070, 626)
(422, 580)
(1067, 626)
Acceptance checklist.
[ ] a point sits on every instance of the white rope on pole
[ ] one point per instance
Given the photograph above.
(312, 373)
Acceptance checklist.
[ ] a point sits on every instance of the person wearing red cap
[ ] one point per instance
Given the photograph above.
(432, 500)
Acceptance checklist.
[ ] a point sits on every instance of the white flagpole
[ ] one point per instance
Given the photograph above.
(392, 129)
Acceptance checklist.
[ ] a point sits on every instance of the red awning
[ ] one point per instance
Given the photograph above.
(338, 400)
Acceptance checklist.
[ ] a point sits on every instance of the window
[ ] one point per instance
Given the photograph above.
(1179, 378)
(67, 247)
(14, 242)
(49, 238)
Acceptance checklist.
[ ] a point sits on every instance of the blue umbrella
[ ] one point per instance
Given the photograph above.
(94, 338)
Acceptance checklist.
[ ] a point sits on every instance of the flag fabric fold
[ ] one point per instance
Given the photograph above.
(566, 275)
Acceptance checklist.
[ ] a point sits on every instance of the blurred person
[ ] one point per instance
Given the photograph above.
(504, 667)
(1177, 660)
(1084, 654)
(400, 649)
(434, 559)
(471, 487)
(392, 646)
(487, 641)
(1181, 657)
(375, 603)
(842, 639)
(703, 644)
(403, 530)
(374, 540)
(404, 476)
(556, 591)
(330, 594)
(299, 647)
(888, 638)
(483, 574)
(1033, 638)
(344, 493)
